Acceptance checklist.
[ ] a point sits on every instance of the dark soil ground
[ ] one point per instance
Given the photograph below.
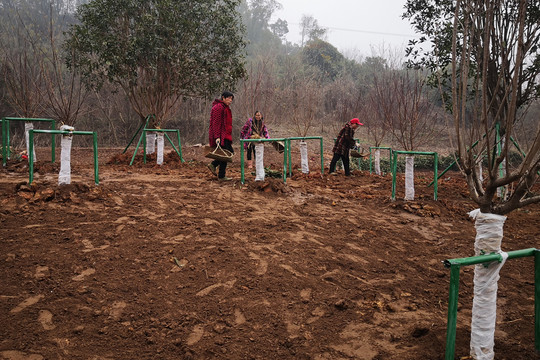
(165, 262)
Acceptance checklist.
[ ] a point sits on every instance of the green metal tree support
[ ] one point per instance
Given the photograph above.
(242, 141)
(6, 136)
(288, 146)
(455, 266)
(394, 168)
(143, 129)
(60, 132)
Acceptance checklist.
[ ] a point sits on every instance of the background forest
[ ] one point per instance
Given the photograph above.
(305, 89)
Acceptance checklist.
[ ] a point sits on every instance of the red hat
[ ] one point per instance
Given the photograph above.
(356, 121)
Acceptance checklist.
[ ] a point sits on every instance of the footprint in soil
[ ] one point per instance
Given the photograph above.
(26, 303)
(45, 319)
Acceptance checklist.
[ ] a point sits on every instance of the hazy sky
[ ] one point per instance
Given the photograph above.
(353, 25)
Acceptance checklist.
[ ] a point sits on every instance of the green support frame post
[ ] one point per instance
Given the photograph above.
(143, 125)
(435, 169)
(455, 266)
(288, 145)
(242, 141)
(165, 131)
(472, 147)
(6, 153)
(380, 148)
(60, 132)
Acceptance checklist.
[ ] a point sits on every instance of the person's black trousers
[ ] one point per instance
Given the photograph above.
(344, 160)
(227, 145)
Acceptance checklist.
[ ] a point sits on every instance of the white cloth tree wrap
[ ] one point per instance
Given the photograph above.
(259, 164)
(64, 176)
(489, 233)
(27, 127)
(150, 143)
(409, 178)
(378, 162)
(303, 157)
(160, 142)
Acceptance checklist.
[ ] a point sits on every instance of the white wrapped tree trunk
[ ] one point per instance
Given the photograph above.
(259, 164)
(150, 142)
(64, 177)
(27, 127)
(378, 161)
(160, 142)
(489, 233)
(409, 178)
(303, 157)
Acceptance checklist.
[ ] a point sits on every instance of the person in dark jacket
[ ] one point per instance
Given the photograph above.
(220, 131)
(344, 142)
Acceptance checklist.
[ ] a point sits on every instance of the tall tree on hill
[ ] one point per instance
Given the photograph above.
(486, 58)
(311, 30)
(159, 51)
(324, 57)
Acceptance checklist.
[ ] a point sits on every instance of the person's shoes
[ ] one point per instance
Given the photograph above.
(225, 179)
(333, 173)
(212, 168)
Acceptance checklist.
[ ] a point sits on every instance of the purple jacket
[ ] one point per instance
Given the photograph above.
(248, 130)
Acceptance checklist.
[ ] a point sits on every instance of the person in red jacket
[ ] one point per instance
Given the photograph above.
(220, 131)
(344, 142)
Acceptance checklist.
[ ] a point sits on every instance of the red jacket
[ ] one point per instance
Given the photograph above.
(220, 123)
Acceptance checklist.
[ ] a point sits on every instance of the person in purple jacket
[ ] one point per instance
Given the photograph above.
(344, 142)
(220, 131)
(253, 128)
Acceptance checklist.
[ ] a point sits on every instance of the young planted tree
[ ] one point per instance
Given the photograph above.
(63, 91)
(20, 69)
(408, 114)
(298, 96)
(36, 78)
(373, 118)
(158, 51)
(374, 113)
(487, 60)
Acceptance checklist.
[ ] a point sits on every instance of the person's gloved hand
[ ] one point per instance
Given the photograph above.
(217, 141)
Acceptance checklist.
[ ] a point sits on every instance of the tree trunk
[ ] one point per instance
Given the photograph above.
(304, 157)
(64, 177)
(259, 165)
(378, 162)
(409, 178)
(489, 233)
(27, 127)
(160, 143)
(150, 143)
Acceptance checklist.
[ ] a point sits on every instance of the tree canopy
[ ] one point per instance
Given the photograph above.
(485, 57)
(158, 50)
(495, 40)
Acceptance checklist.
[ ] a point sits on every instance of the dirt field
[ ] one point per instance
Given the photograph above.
(165, 262)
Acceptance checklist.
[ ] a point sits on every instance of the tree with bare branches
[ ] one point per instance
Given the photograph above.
(408, 114)
(486, 60)
(20, 66)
